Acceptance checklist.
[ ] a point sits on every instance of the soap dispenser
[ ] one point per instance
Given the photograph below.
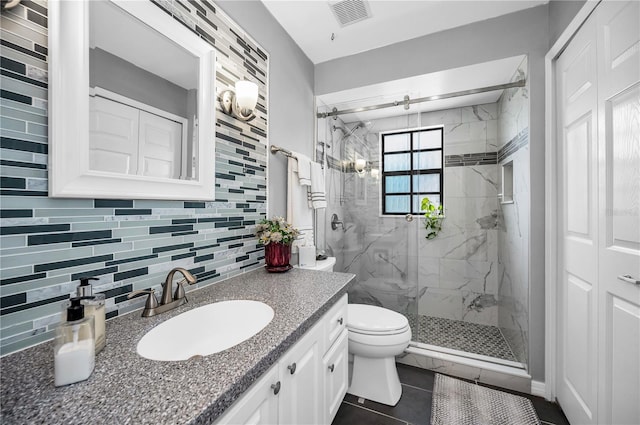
(74, 348)
(94, 306)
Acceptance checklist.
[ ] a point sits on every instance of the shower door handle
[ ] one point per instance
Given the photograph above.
(409, 218)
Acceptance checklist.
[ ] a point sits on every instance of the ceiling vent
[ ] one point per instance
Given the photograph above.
(349, 12)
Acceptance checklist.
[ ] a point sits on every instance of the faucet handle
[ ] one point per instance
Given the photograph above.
(152, 301)
(179, 292)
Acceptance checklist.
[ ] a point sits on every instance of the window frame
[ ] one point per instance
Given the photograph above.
(411, 172)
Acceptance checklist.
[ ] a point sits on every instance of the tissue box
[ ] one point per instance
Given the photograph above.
(307, 256)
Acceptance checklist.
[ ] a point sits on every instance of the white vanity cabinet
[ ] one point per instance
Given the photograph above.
(307, 384)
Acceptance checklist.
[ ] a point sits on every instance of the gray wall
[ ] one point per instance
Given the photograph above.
(561, 12)
(291, 96)
(523, 32)
(119, 76)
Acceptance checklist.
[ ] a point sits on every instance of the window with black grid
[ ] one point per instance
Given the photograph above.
(412, 169)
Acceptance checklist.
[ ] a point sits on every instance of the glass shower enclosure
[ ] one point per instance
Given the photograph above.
(465, 290)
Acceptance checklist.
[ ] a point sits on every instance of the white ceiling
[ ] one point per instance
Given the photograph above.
(437, 83)
(311, 22)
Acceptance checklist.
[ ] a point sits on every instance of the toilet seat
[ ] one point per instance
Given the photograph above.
(373, 320)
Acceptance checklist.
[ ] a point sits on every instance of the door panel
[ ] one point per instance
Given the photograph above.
(578, 148)
(579, 353)
(160, 146)
(619, 211)
(623, 367)
(113, 136)
(578, 242)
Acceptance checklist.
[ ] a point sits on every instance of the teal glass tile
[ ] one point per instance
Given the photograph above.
(34, 284)
(38, 129)
(22, 171)
(6, 104)
(21, 113)
(29, 202)
(23, 88)
(32, 313)
(22, 136)
(49, 257)
(13, 241)
(13, 124)
(15, 329)
(28, 342)
(112, 248)
(7, 272)
(14, 155)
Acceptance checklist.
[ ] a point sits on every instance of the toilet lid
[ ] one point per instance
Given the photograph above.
(373, 319)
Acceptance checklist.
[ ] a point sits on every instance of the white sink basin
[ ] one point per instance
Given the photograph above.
(205, 330)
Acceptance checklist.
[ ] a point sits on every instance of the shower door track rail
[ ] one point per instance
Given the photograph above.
(407, 101)
(449, 352)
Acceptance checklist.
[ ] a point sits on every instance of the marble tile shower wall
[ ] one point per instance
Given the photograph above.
(455, 275)
(129, 244)
(514, 218)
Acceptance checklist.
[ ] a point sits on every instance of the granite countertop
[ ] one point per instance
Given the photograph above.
(126, 388)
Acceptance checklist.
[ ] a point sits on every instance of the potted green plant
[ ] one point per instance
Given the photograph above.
(277, 236)
(433, 216)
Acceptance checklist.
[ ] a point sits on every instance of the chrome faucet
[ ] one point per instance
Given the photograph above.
(169, 300)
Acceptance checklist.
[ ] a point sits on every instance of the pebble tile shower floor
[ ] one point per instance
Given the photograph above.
(464, 336)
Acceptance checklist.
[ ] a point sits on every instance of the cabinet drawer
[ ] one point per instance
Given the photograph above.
(336, 371)
(335, 322)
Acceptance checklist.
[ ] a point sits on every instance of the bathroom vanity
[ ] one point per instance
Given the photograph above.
(294, 370)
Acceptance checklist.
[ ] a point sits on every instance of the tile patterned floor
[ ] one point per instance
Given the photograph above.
(463, 336)
(414, 408)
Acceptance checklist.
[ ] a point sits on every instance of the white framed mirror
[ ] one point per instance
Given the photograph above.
(132, 104)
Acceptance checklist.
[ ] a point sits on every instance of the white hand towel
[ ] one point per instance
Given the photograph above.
(317, 197)
(299, 215)
(303, 168)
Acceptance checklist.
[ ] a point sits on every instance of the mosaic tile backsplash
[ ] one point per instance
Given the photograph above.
(47, 244)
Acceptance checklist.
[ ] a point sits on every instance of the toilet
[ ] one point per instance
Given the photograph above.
(325, 265)
(376, 336)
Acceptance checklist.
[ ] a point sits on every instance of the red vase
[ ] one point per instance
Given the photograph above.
(277, 255)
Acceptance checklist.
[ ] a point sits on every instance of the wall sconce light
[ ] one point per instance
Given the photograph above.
(9, 4)
(241, 103)
(359, 165)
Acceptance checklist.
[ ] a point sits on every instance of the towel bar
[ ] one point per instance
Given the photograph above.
(276, 149)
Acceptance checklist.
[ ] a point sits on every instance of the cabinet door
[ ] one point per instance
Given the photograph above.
(300, 374)
(259, 404)
(336, 374)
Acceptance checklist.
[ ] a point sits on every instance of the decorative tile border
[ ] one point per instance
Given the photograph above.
(470, 159)
(47, 244)
(522, 139)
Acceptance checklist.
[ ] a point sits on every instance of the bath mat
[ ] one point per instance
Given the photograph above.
(457, 402)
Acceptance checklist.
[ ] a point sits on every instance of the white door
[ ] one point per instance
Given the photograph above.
(578, 233)
(160, 150)
(618, 26)
(113, 136)
(599, 238)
